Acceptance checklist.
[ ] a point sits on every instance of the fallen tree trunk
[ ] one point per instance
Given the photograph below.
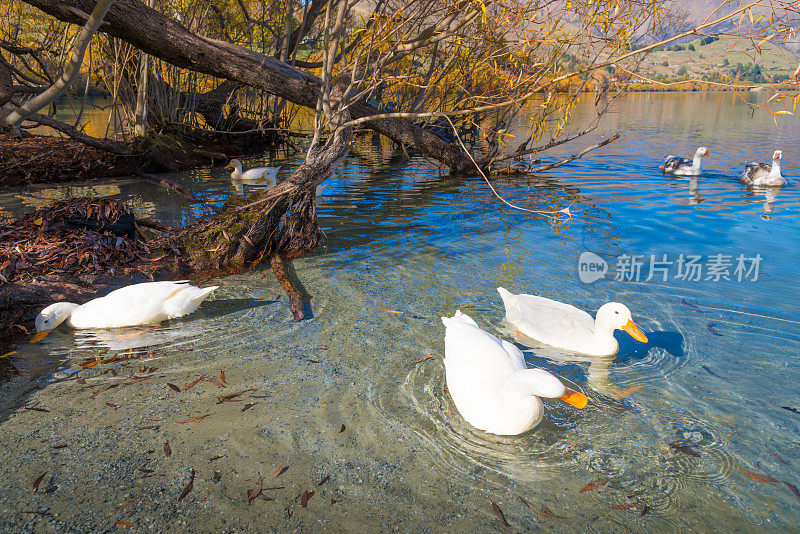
(160, 36)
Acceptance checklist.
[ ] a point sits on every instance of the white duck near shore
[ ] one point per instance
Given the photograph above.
(761, 174)
(490, 383)
(678, 166)
(147, 303)
(566, 327)
(266, 176)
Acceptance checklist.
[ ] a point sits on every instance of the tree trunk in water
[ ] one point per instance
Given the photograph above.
(71, 69)
(275, 226)
(140, 114)
(160, 36)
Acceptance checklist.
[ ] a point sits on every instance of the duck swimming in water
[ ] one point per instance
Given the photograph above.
(566, 327)
(678, 166)
(761, 174)
(490, 383)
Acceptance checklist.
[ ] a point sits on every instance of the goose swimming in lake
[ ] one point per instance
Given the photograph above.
(148, 303)
(757, 173)
(684, 166)
(255, 176)
(490, 384)
(566, 327)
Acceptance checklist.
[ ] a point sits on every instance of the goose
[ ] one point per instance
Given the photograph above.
(566, 327)
(757, 173)
(490, 384)
(684, 166)
(147, 303)
(254, 176)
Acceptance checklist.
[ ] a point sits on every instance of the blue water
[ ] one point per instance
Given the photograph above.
(405, 244)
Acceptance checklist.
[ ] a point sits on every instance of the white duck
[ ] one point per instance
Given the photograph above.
(761, 174)
(566, 327)
(266, 176)
(490, 383)
(684, 166)
(148, 303)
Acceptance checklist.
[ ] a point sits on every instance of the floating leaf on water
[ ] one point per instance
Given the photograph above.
(38, 481)
(112, 405)
(625, 505)
(544, 511)
(150, 427)
(710, 327)
(193, 419)
(761, 478)
(188, 487)
(499, 513)
(392, 311)
(231, 396)
(8, 354)
(193, 383)
(775, 455)
(122, 524)
(619, 395)
(793, 410)
(215, 458)
(324, 480)
(174, 387)
(62, 446)
(684, 449)
(279, 471)
(167, 449)
(470, 306)
(594, 484)
(248, 406)
(146, 471)
(215, 382)
(255, 492)
(127, 505)
(222, 376)
(793, 489)
(342, 429)
(313, 361)
(305, 497)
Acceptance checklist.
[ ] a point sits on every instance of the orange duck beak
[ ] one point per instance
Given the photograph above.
(634, 331)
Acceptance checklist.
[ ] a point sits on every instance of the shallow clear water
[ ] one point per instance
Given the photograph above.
(405, 245)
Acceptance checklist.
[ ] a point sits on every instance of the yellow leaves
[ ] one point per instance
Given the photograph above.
(38, 221)
(782, 112)
(750, 14)
(40, 336)
(764, 40)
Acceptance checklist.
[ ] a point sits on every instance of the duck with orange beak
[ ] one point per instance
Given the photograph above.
(566, 327)
(490, 383)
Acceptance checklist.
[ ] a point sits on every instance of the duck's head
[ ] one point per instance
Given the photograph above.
(777, 155)
(54, 315)
(234, 164)
(702, 151)
(616, 316)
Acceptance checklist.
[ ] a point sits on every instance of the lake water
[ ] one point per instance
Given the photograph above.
(357, 393)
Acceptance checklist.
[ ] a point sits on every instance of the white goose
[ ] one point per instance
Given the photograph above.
(148, 303)
(255, 176)
(684, 166)
(761, 174)
(490, 384)
(566, 327)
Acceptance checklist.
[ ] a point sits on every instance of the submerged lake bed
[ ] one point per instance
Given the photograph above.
(237, 418)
